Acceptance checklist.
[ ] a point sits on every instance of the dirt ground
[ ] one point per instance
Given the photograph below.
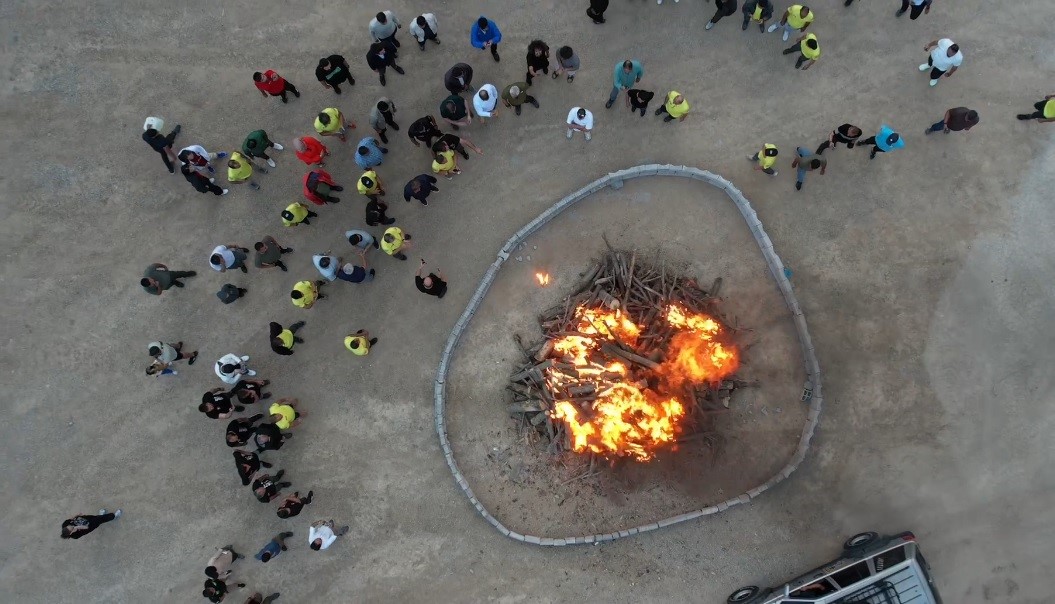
(532, 492)
(925, 275)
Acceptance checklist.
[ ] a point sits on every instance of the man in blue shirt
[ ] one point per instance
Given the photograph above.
(626, 74)
(369, 153)
(885, 141)
(275, 547)
(485, 34)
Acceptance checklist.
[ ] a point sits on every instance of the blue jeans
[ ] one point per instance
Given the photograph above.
(938, 127)
(803, 153)
(615, 94)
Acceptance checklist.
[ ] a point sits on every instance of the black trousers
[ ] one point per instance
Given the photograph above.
(171, 138)
(95, 522)
(871, 140)
(1039, 113)
(721, 12)
(934, 73)
(429, 35)
(839, 138)
(545, 70)
(916, 11)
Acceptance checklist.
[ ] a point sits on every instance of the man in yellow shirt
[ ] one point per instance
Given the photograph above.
(240, 169)
(796, 18)
(809, 49)
(394, 242)
(676, 107)
(370, 185)
(765, 158)
(331, 122)
(305, 293)
(284, 413)
(296, 213)
(359, 343)
(1045, 111)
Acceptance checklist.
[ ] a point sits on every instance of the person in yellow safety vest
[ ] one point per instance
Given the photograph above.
(305, 293)
(676, 107)
(359, 343)
(796, 18)
(331, 122)
(296, 213)
(370, 185)
(240, 169)
(394, 242)
(765, 158)
(757, 10)
(445, 163)
(809, 48)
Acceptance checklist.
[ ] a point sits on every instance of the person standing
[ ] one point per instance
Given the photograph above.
(296, 213)
(394, 242)
(444, 162)
(676, 107)
(382, 116)
(757, 10)
(370, 186)
(229, 256)
(596, 10)
(283, 338)
(722, 9)
(247, 463)
(216, 589)
(167, 353)
(383, 28)
(516, 95)
(219, 566)
(201, 182)
(270, 83)
(885, 141)
(331, 122)
(276, 546)
(240, 169)
(163, 145)
(369, 153)
(423, 130)
(269, 438)
(455, 143)
(798, 17)
(322, 534)
(305, 293)
(82, 524)
(805, 162)
(376, 213)
(486, 35)
(266, 487)
(258, 598)
(359, 343)
(327, 265)
(159, 278)
(485, 102)
(955, 120)
(456, 111)
(318, 184)
(293, 504)
(945, 58)
(537, 60)
(565, 62)
(765, 158)
(231, 367)
(1045, 111)
(269, 253)
(425, 27)
(380, 57)
(257, 144)
(333, 71)
(250, 391)
(216, 404)
(240, 430)
(361, 240)
(638, 100)
(846, 134)
(357, 273)
(419, 188)
(809, 50)
(199, 159)
(918, 7)
(626, 74)
(459, 78)
(431, 284)
(581, 120)
(310, 151)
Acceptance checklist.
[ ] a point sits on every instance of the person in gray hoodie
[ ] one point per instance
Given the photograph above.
(626, 74)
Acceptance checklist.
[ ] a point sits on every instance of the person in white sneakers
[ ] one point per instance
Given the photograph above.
(485, 102)
(796, 18)
(945, 58)
(82, 524)
(580, 119)
(425, 28)
(257, 144)
(229, 256)
(231, 367)
(199, 159)
(321, 535)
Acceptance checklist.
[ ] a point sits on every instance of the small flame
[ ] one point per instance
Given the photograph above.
(542, 278)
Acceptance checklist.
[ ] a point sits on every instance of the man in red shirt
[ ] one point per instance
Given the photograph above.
(318, 184)
(270, 83)
(310, 150)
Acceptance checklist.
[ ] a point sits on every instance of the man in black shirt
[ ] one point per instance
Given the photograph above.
(432, 284)
(278, 340)
(248, 463)
(269, 437)
(266, 487)
(381, 56)
(375, 213)
(638, 99)
(240, 430)
(419, 188)
(455, 143)
(423, 130)
(459, 78)
(334, 71)
(163, 145)
(200, 182)
(455, 110)
(216, 404)
(250, 391)
(216, 589)
(846, 134)
(293, 504)
(82, 524)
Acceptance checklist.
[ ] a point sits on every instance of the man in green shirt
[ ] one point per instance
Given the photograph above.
(257, 144)
(158, 278)
(516, 95)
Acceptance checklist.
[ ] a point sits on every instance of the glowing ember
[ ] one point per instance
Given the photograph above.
(542, 278)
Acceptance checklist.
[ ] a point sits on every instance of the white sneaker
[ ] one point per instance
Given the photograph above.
(102, 511)
(251, 373)
(117, 513)
(924, 67)
(277, 146)
(934, 82)
(212, 180)
(569, 133)
(245, 358)
(709, 25)
(588, 135)
(773, 28)
(786, 35)
(225, 192)
(659, 1)
(271, 162)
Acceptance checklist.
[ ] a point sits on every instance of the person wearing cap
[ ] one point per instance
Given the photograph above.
(596, 10)
(425, 27)
(797, 18)
(269, 253)
(382, 116)
(310, 151)
(459, 78)
(163, 145)
(456, 111)
(369, 153)
(486, 35)
(638, 99)
(240, 169)
(383, 28)
(809, 50)
(765, 158)
(757, 10)
(201, 182)
(361, 240)
(918, 7)
(420, 187)
(581, 120)
(945, 58)
(375, 213)
(445, 163)
(257, 144)
(370, 185)
(327, 265)
(485, 102)
(423, 130)
(722, 9)
(159, 278)
(270, 83)
(431, 284)
(537, 60)
(955, 120)
(885, 141)
(332, 71)
(318, 184)
(394, 242)
(455, 143)
(805, 162)
(565, 62)
(305, 293)
(1045, 111)
(846, 134)
(283, 338)
(199, 159)
(331, 122)
(359, 343)
(676, 107)
(229, 256)
(296, 213)
(626, 74)
(285, 414)
(380, 57)
(516, 95)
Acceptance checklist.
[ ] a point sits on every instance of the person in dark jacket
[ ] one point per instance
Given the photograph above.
(596, 10)
(423, 130)
(248, 463)
(638, 99)
(459, 78)
(537, 59)
(420, 187)
(759, 10)
(282, 339)
(200, 182)
(240, 430)
(846, 134)
(159, 278)
(82, 524)
(269, 437)
(333, 71)
(381, 56)
(163, 145)
(722, 8)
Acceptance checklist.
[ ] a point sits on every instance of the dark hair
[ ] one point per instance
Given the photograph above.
(355, 239)
(228, 368)
(316, 545)
(972, 116)
(251, 143)
(282, 513)
(324, 118)
(381, 18)
(151, 370)
(145, 282)
(482, 22)
(955, 48)
(257, 76)
(815, 163)
(324, 261)
(210, 571)
(65, 534)
(259, 246)
(216, 259)
(805, 10)
(421, 21)
(537, 45)
(483, 94)
(812, 43)
(354, 344)
(565, 52)
(264, 557)
(151, 132)
(450, 105)
(363, 150)
(628, 64)
(154, 350)
(382, 106)
(205, 398)
(324, 62)
(893, 138)
(296, 295)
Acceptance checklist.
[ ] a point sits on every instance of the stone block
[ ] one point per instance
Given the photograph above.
(616, 183)
(547, 541)
(709, 511)
(755, 492)
(532, 539)
(745, 498)
(517, 536)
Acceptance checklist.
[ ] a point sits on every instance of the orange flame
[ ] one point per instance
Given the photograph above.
(542, 278)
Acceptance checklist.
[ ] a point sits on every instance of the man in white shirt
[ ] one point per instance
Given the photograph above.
(425, 27)
(945, 58)
(918, 8)
(485, 102)
(199, 159)
(580, 119)
(322, 535)
(231, 367)
(383, 28)
(327, 265)
(228, 256)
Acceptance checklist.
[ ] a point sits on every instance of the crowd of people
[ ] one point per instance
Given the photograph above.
(254, 434)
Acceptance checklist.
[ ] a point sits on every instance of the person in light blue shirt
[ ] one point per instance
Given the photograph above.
(369, 153)
(327, 265)
(885, 141)
(274, 547)
(626, 74)
(485, 34)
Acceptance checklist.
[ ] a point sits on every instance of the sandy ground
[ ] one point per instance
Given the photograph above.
(925, 275)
